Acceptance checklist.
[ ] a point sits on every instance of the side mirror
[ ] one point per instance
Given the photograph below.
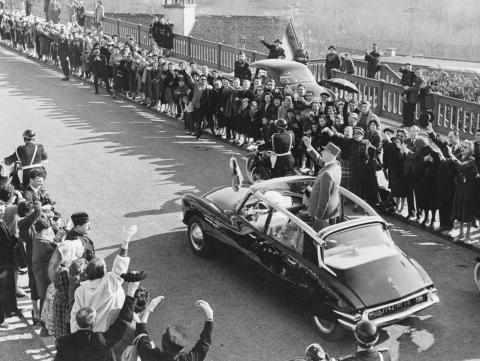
(330, 243)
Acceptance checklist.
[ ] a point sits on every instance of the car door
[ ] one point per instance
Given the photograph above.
(295, 253)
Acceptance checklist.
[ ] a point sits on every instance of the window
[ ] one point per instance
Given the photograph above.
(295, 76)
(255, 211)
(358, 245)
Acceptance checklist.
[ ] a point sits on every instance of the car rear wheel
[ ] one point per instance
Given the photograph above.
(331, 331)
(197, 237)
(476, 275)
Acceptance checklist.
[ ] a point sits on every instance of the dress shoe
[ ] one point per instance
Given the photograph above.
(66, 78)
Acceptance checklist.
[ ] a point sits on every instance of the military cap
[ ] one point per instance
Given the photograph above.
(332, 149)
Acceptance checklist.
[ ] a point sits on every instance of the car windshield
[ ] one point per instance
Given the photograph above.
(358, 245)
(295, 76)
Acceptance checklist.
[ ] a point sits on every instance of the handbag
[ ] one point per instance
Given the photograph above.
(130, 353)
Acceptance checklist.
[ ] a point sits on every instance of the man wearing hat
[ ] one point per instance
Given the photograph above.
(282, 144)
(275, 50)
(332, 61)
(30, 156)
(174, 340)
(325, 197)
(81, 229)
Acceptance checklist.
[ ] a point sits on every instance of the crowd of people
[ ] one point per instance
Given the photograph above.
(74, 296)
(246, 110)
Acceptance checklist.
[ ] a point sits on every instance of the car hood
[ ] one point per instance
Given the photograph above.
(225, 197)
(383, 280)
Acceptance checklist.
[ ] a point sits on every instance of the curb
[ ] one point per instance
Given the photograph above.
(207, 134)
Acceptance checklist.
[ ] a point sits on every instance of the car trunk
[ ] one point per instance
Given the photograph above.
(383, 280)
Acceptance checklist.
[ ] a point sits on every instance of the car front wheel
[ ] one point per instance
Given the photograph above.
(330, 331)
(197, 237)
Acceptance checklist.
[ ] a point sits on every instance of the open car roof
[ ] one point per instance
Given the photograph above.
(275, 184)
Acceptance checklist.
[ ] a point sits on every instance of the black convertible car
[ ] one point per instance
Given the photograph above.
(346, 272)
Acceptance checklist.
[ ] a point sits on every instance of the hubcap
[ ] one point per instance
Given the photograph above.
(324, 326)
(196, 236)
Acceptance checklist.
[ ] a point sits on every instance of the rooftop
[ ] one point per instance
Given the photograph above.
(240, 31)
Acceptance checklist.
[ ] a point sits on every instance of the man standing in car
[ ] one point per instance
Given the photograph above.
(325, 197)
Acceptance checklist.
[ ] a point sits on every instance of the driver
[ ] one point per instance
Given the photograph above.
(282, 144)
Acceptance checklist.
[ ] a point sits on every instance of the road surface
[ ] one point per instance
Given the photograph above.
(125, 165)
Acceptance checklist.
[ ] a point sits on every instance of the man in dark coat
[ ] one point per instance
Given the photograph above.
(324, 203)
(8, 300)
(332, 61)
(85, 344)
(202, 104)
(63, 53)
(411, 82)
(275, 50)
(242, 68)
(81, 229)
(412, 148)
(373, 62)
(98, 65)
(301, 55)
(174, 340)
(446, 173)
(30, 156)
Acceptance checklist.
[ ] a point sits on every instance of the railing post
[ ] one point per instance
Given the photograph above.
(189, 47)
(118, 28)
(381, 88)
(254, 56)
(219, 56)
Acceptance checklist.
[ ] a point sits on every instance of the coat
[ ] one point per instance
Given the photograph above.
(42, 251)
(88, 345)
(148, 352)
(242, 70)
(105, 295)
(372, 59)
(89, 253)
(325, 195)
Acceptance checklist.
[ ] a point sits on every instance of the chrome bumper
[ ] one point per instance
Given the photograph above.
(350, 321)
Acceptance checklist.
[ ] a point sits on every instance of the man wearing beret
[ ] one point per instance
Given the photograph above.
(325, 197)
(174, 340)
(30, 155)
(81, 229)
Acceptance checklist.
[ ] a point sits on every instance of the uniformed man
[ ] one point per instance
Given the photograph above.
(282, 144)
(30, 156)
(81, 229)
(366, 334)
(324, 203)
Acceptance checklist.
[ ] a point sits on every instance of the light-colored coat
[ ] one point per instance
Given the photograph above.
(105, 295)
(325, 195)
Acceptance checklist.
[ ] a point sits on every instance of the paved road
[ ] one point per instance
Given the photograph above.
(126, 166)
